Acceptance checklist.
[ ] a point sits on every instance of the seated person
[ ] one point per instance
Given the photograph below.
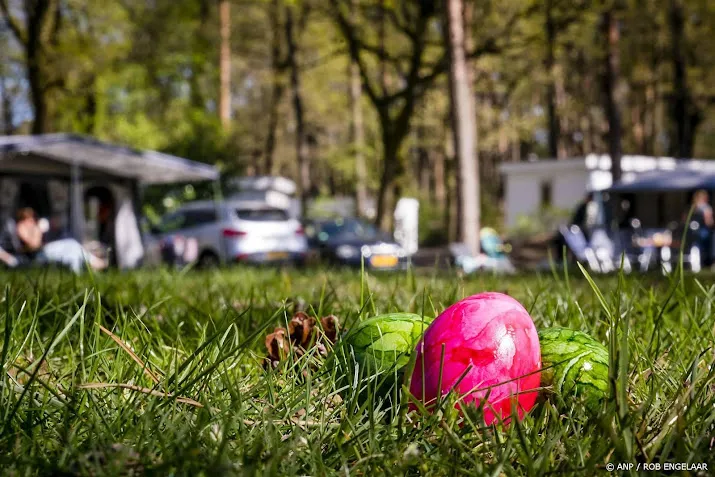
(67, 252)
(702, 215)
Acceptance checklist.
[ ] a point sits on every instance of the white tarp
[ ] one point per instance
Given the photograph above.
(264, 183)
(52, 154)
(128, 240)
(663, 181)
(406, 224)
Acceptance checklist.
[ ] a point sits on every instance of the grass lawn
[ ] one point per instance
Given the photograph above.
(162, 374)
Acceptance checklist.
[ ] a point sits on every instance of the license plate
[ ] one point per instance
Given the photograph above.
(383, 261)
(277, 255)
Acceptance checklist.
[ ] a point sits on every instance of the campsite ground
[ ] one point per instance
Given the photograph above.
(75, 399)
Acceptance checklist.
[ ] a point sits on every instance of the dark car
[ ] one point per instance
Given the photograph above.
(349, 241)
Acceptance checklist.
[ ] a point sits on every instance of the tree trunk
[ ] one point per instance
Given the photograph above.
(225, 63)
(301, 144)
(685, 116)
(277, 89)
(464, 127)
(39, 101)
(382, 34)
(7, 108)
(440, 194)
(610, 84)
(394, 108)
(562, 151)
(273, 116)
(35, 77)
(201, 45)
(649, 119)
(423, 172)
(35, 15)
(454, 207)
(549, 65)
(357, 132)
(90, 106)
(390, 146)
(390, 150)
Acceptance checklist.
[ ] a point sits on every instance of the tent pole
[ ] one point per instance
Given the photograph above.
(137, 189)
(218, 198)
(217, 195)
(77, 206)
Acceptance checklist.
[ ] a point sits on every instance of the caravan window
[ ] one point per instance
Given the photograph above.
(33, 194)
(262, 215)
(546, 195)
(197, 217)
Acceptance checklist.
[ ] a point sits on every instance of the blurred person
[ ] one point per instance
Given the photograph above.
(626, 214)
(702, 215)
(67, 251)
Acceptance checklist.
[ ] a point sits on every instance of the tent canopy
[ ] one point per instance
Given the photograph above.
(665, 181)
(55, 154)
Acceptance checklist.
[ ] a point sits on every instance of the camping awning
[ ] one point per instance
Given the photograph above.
(55, 154)
(665, 181)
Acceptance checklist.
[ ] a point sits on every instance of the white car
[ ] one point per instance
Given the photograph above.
(230, 232)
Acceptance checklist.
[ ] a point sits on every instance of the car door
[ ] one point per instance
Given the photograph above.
(203, 225)
(161, 237)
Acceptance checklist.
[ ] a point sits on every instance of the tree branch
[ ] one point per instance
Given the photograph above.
(12, 23)
(392, 15)
(56, 83)
(415, 85)
(323, 59)
(354, 49)
(376, 51)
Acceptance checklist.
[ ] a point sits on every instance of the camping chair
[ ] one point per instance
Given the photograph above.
(578, 245)
(611, 251)
(690, 249)
(644, 256)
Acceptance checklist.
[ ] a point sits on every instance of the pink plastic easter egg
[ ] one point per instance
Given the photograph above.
(491, 340)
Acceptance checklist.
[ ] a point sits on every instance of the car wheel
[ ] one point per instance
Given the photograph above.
(208, 260)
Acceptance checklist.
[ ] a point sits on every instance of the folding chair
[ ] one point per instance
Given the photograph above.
(690, 249)
(578, 245)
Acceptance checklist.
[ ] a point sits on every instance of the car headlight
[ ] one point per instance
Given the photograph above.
(346, 251)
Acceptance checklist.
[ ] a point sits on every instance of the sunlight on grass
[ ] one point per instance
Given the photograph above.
(163, 373)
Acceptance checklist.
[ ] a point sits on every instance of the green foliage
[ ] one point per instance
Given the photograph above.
(146, 74)
(431, 224)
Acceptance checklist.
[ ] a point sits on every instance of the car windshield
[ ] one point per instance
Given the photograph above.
(262, 215)
(348, 228)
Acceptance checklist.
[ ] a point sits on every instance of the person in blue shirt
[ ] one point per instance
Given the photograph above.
(701, 222)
